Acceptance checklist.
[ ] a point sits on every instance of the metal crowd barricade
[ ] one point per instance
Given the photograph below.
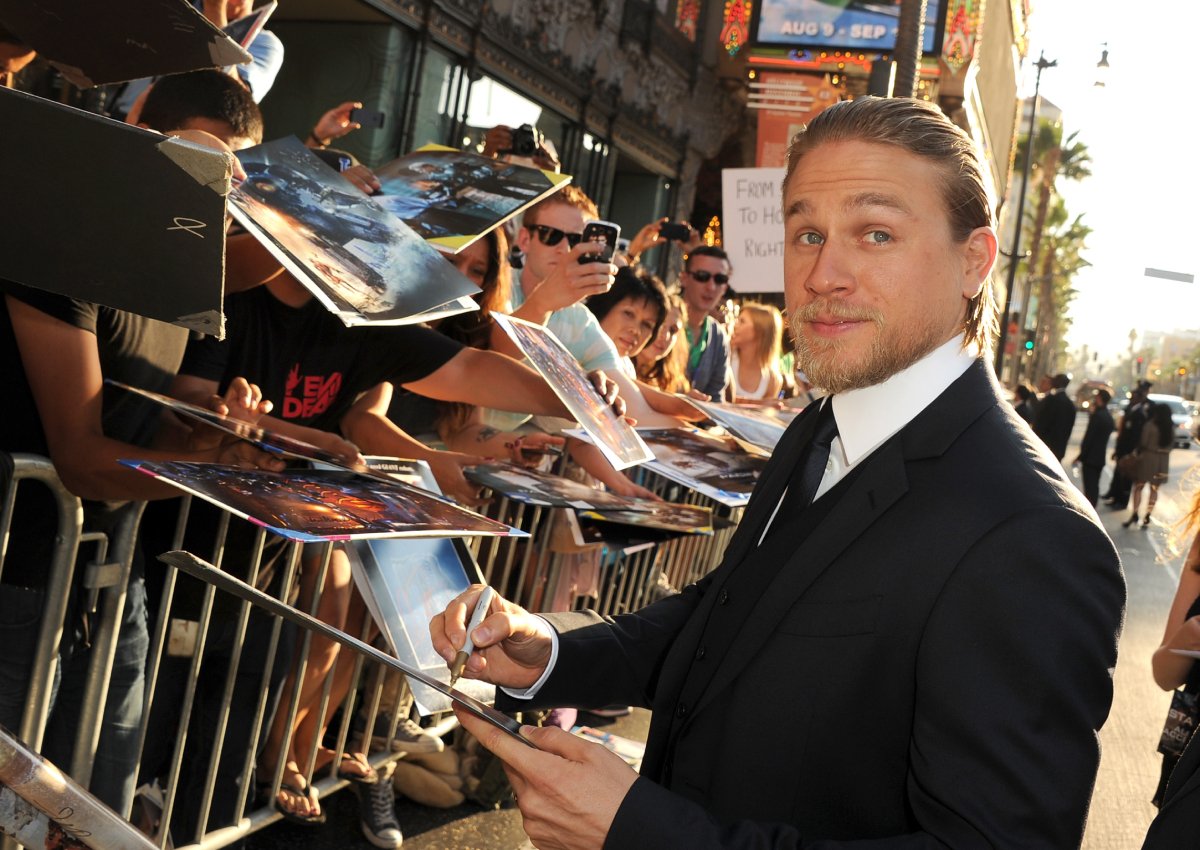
(526, 570)
(41, 807)
(104, 582)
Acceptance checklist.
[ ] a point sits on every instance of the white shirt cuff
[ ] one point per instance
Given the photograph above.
(531, 691)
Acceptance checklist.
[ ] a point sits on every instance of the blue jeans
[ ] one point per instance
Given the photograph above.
(115, 766)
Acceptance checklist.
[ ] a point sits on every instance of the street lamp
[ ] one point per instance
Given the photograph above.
(1041, 64)
(1102, 67)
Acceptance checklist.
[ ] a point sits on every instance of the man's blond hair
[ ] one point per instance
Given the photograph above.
(571, 196)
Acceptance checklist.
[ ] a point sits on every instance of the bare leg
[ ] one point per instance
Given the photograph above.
(332, 606)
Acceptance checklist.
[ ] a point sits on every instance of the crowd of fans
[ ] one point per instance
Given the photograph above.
(452, 393)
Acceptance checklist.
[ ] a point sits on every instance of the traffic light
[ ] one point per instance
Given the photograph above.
(1029, 334)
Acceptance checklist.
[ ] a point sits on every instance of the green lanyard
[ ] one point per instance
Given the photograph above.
(696, 349)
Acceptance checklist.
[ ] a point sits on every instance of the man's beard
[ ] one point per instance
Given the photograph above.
(826, 363)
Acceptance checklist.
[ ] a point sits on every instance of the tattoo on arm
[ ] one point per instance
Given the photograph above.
(485, 433)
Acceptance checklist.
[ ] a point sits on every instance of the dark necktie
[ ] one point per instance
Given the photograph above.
(806, 477)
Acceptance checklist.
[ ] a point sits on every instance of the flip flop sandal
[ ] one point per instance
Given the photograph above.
(297, 817)
(287, 814)
(367, 775)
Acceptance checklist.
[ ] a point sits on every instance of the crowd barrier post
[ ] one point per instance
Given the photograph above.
(42, 807)
(61, 572)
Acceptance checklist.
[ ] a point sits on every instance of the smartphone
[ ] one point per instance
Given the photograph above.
(601, 231)
(674, 231)
(368, 119)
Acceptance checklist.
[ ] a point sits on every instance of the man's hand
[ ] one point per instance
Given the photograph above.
(609, 391)
(568, 789)
(341, 448)
(243, 455)
(646, 238)
(363, 178)
(447, 468)
(512, 646)
(243, 401)
(571, 282)
(529, 449)
(336, 123)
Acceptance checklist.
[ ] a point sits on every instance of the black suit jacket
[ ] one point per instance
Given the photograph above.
(1053, 421)
(1093, 448)
(928, 668)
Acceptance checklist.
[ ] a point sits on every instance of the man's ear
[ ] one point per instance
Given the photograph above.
(979, 256)
(522, 240)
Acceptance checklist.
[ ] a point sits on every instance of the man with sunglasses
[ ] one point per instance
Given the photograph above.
(703, 283)
(549, 288)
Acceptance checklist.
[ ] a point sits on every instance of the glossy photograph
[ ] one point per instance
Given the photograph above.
(361, 261)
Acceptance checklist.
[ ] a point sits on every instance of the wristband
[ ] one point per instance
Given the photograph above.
(320, 143)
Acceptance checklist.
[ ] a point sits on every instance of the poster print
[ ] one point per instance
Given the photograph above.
(405, 583)
(760, 426)
(313, 505)
(366, 265)
(614, 436)
(452, 197)
(534, 487)
(717, 467)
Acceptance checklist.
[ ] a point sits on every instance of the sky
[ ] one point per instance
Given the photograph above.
(1142, 130)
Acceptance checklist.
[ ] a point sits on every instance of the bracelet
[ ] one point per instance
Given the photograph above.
(320, 143)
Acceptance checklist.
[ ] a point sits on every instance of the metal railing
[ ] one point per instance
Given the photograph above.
(214, 677)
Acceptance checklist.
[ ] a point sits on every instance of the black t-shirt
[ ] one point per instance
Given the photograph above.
(310, 365)
(132, 349)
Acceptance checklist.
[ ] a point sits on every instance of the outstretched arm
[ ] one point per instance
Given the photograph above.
(62, 365)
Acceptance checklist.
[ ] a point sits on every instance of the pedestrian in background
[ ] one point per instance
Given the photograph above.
(1153, 461)
(1055, 416)
(1129, 435)
(1026, 405)
(1093, 448)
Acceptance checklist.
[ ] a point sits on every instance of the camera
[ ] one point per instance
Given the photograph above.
(675, 232)
(526, 141)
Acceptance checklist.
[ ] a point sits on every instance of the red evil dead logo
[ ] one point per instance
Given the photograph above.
(309, 395)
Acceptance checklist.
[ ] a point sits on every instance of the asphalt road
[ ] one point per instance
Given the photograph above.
(1129, 768)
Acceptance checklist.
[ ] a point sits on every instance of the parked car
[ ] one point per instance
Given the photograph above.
(1181, 415)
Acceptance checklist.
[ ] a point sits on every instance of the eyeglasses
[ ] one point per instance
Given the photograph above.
(551, 236)
(701, 276)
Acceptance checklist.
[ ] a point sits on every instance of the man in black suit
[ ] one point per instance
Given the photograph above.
(1093, 448)
(1055, 416)
(909, 640)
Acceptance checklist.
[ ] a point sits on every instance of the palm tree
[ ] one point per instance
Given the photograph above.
(1053, 157)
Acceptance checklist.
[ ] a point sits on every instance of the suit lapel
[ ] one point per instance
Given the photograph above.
(766, 495)
(771, 485)
(868, 497)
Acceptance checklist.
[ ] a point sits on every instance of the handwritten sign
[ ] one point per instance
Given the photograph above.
(752, 227)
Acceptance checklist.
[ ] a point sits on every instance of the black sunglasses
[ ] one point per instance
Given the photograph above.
(551, 236)
(701, 276)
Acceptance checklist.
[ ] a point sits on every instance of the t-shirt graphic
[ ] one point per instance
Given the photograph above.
(306, 396)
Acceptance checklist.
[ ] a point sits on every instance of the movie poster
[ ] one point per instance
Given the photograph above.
(717, 467)
(451, 198)
(405, 583)
(612, 434)
(366, 265)
(313, 505)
